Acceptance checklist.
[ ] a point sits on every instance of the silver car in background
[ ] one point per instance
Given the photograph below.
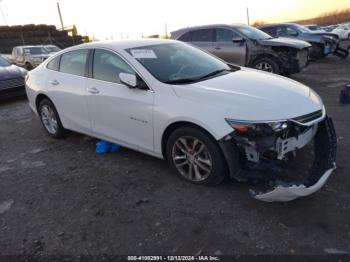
(247, 46)
(29, 56)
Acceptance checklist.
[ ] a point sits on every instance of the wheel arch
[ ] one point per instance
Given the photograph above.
(266, 55)
(175, 125)
(39, 98)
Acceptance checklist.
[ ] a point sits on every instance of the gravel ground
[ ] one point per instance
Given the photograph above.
(60, 197)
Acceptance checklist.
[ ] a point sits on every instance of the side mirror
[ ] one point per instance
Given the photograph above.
(129, 80)
(294, 34)
(237, 39)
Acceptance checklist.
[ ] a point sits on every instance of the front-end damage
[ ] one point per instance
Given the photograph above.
(265, 148)
(291, 55)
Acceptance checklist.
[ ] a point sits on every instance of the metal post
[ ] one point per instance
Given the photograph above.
(248, 16)
(59, 13)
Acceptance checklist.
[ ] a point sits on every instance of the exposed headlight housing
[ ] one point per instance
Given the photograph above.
(256, 128)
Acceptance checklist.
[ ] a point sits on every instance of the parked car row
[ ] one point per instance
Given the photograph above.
(281, 48)
(12, 72)
(342, 30)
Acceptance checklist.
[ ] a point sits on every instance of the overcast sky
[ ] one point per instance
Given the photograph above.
(132, 18)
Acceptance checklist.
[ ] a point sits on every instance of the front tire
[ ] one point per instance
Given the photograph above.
(28, 66)
(196, 156)
(50, 119)
(267, 64)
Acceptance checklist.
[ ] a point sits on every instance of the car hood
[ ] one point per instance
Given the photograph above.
(40, 56)
(252, 95)
(281, 41)
(325, 34)
(12, 71)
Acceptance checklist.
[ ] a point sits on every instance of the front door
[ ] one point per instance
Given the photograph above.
(118, 113)
(226, 49)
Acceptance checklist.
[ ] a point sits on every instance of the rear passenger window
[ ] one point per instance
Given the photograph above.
(271, 31)
(202, 35)
(54, 64)
(107, 66)
(74, 62)
(187, 37)
(224, 35)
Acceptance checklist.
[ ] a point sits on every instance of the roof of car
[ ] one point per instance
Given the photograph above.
(124, 44)
(210, 26)
(279, 24)
(26, 46)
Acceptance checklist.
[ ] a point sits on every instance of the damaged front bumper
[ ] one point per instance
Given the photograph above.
(324, 162)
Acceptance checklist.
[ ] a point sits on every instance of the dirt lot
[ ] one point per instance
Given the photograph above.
(60, 197)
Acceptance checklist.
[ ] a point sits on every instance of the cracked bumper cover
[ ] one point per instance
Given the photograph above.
(325, 147)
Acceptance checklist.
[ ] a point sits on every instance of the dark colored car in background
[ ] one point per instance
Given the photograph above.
(247, 46)
(323, 43)
(11, 79)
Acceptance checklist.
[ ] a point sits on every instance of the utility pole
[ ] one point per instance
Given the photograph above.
(166, 30)
(248, 16)
(3, 15)
(59, 13)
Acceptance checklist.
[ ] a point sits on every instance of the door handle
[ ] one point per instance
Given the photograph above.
(93, 90)
(217, 48)
(54, 82)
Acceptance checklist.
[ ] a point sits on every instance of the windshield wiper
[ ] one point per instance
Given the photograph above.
(216, 72)
(182, 81)
(192, 80)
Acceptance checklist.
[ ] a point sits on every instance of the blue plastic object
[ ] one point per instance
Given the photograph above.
(103, 147)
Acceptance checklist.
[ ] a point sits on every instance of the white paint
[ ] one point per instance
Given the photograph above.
(284, 194)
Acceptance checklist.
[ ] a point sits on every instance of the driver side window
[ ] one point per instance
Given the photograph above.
(286, 31)
(107, 66)
(224, 35)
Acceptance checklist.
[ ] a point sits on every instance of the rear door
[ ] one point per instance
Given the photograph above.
(202, 38)
(118, 113)
(66, 86)
(226, 49)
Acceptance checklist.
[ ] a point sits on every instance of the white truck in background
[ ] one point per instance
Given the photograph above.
(29, 57)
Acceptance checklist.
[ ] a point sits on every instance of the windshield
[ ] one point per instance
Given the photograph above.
(4, 62)
(253, 33)
(178, 62)
(303, 29)
(35, 50)
(314, 27)
(52, 48)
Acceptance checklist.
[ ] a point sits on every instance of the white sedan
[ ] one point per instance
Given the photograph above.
(165, 98)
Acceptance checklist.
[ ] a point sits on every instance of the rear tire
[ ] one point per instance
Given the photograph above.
(195, 156)
(50, 119)
(267, 64)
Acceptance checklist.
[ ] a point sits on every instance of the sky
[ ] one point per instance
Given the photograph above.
(115, 19)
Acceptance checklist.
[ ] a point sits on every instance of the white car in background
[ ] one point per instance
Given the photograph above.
(29, 56)
(165, 98)
(343, 31)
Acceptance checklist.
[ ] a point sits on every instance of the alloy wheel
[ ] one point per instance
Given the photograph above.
(192, 158)
(49, 119)
(264, 67)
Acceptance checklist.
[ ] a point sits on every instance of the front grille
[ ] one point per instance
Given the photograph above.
(309, 117)
(11, 83)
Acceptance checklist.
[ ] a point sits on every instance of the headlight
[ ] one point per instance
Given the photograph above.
(257, 129)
